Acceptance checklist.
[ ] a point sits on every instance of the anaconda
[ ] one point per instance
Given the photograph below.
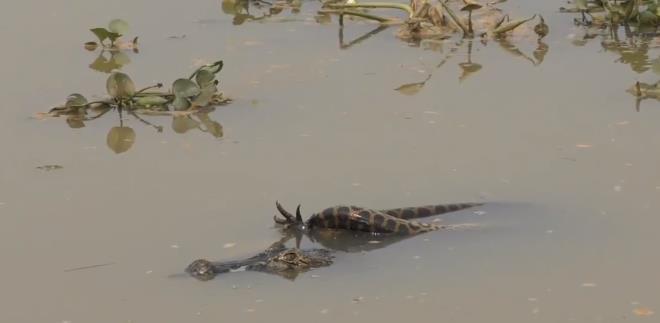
(355, 218)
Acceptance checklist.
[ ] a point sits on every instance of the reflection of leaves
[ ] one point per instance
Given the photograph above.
(182, 124)
(120, 139)
(75, 122)
(540, 51)
(412, 88)
(231, 7)
(468, 69)
(513, 50)
(212, 127)
(656, 64)
(106, 65)
(635, 56)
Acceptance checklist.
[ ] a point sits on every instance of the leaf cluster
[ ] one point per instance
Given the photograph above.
(198, 90)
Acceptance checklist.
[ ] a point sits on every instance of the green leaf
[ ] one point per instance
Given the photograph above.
(74, 100)
(204, 77)
(101, 33)
(120, 139)
(180, 104)
(215, 67)
(118, 26)
(213, 127)
(104, 34)
(206, 95)
(185, 88)
(647, 18)
(113, 37)
(149, 101)
(119, 85)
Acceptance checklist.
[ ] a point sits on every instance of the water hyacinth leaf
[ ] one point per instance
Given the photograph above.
(180, 103)
(74, 100)
(215, 67)
(647, 18)
(181, 124)
(150, 101)
(120, 139)
(119, 85)
(204, 77)
(101, 33)
(104, 34)
(185, 88)
(118, 26)
(113, 37)
(206, 95)
(511, 25)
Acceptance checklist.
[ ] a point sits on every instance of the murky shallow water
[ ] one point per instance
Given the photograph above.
(559, 149)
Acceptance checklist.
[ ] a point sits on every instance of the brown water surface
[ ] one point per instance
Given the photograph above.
(555, 146)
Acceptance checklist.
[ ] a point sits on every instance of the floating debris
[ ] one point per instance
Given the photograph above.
(89, 267)
(643, 311)
(49, 168)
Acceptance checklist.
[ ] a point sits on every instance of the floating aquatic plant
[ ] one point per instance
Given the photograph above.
(643, 13)
(109, 38)
(427, 21)
(198, 90)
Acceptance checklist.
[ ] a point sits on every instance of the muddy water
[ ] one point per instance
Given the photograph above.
(567, 164)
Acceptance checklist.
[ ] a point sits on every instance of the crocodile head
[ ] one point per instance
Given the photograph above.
(201, 269)
(290, 262)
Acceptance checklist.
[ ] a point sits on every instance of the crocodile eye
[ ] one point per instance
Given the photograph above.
(290, 256)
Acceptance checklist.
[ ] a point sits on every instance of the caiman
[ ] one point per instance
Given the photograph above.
(276, 259)
(355, 218)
